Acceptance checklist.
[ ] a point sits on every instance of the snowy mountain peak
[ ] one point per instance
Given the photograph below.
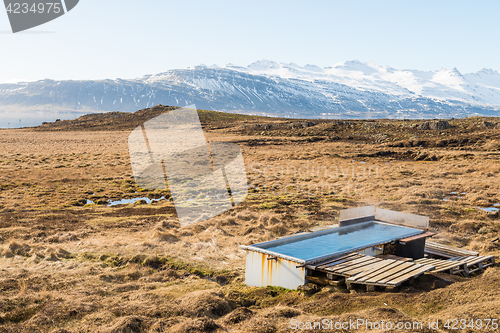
(264, 64)
(488, 71)
(350, 89)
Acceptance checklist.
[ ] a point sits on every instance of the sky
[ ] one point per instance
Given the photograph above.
(102, 39)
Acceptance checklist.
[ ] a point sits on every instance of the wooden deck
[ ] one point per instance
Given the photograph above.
(458, 265)
(445, 251)
(473, 263)
(446, 266)
(370, 271)
(346, 266)
(389, 273)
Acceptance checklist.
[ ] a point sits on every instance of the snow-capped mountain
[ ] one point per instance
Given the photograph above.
(350, 89)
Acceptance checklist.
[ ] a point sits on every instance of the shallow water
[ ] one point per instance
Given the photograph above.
(489, 209)
(134, 200)
(334, 242)
(454, 195)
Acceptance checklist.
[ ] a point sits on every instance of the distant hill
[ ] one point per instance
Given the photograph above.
(115, 120)
(350, 89)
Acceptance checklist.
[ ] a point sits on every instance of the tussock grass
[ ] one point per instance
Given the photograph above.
(66, 264)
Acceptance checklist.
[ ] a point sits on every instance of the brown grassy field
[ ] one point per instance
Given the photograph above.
(71, 263)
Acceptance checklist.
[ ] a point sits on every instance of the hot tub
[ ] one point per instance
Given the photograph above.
(282, 262)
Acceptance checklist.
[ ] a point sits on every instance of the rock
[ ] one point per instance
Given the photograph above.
(304, 124)
(434, 125)
(487, 124)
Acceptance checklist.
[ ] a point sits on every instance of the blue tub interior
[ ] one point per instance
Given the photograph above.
(338, 240)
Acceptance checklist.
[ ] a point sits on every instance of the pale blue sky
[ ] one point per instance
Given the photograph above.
(124, 38)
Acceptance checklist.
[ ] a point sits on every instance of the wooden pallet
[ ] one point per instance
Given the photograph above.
(370, 271)
(473, 263)
(444, 265)
(388, 273)
(346, 266)
(445, 251)
(393, 257)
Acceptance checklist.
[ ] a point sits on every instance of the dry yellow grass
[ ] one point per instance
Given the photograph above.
(69, 266)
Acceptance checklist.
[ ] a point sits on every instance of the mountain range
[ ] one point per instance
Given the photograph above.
(350, 89)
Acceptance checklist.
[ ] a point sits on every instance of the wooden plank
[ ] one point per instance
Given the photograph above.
(337, 261)
(417, 237)
(366, 268)
(438, 253)
(376, 282)
(481, 261)
(352, 263)
(453, 267)
(446, 268)
(446, 250)
(357, 262)
(350, 271)
(375, 271)
(388, 275)
(402, 276)
(337, 282)
(421, 270)
(393, 257)
(340, 258)
(318, 280)
(440, 265)
(428, 260)
(403, 272)
(425, 260)
(443, 246)
(374, 275)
